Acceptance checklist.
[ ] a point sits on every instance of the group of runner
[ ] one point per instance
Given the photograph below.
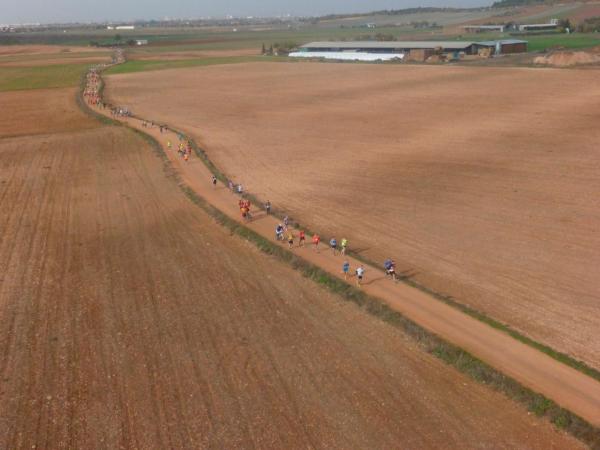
(92, 88)
(284, 233)
(282, 230)
(184, 150)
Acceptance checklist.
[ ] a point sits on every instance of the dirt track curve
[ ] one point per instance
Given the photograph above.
(566, 386)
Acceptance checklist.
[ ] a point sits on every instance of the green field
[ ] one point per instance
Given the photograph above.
(39, 77)
(143, 66)
(541, 42)
(570, 41)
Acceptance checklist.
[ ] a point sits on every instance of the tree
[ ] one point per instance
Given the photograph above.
(118, 38)
(564, 25)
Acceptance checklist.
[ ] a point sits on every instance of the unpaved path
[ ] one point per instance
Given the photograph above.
(566, 386)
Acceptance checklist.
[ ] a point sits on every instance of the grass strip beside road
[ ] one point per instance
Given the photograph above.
(147, 65)
(41, 77)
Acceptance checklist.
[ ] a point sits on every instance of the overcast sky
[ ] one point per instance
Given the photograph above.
(31, 11)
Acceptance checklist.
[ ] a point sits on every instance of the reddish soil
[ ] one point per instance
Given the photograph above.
(567, 59)
(129, 319)
(75, 59)
(168, 56)
(27, 112)
(587, 11)
(566, 386)
(45, 55)
(480, 182)
(10, 50)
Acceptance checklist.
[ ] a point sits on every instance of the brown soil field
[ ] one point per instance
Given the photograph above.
(54, 60)
(480, 182)
(129, 319)
(587, 10)
(43, 55)
(567, 59)
(28, 112)
(168, 56)
(11, 50)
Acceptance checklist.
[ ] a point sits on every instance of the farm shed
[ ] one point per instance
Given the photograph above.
(413, 50)
(403, 47)
(504, 47)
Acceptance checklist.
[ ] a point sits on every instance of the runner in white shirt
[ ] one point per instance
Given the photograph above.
(360, 273)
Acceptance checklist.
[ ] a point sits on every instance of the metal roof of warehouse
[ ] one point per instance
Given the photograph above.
(502, 41)
(458, 45)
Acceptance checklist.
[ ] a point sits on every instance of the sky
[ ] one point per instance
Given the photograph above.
(54, 11)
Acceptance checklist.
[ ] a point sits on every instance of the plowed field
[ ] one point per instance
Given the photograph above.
(129, 319)
(41, 111)
(482, 183)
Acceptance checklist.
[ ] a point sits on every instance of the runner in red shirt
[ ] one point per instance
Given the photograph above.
(316, 239)
(301, 239)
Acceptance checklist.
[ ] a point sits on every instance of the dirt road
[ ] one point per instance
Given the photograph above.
(128, 319)
(568, 387)
(481, 182)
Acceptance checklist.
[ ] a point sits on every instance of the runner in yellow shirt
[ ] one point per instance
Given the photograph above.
(344, 244)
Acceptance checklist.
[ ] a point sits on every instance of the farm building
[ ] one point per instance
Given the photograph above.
(503, 47)
(141, 42)
(552, 25)
(411, 50)
(121, 27)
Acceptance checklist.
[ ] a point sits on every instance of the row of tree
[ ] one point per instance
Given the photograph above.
(279, 48)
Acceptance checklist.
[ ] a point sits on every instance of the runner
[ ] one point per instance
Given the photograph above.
(344, 244)
(230, 185)
(346, 269)
(186, 157)
(268, 207)
(246, 206)
(392, 271)
(290, 239)
(240, 189)
(333, 245)
(301, 238)
(279, 232)
(214, 181)
(316, 239)
(286, 222)
(360, 273)
(169, 145)
(387, 265)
